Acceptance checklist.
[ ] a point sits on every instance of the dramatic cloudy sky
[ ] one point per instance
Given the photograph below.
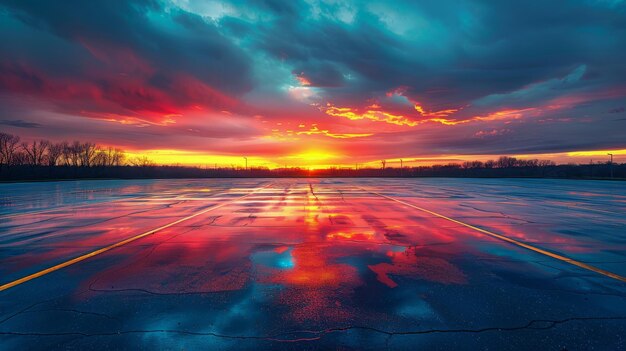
(318, 82)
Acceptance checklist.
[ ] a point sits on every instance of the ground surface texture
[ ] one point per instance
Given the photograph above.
(313, 264)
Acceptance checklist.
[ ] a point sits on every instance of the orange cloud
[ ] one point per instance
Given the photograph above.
(371, 114)
(435, 114)
(131, 120)
(315, 130)
(401, 92)
(495, 116)
(435, 117)
(304, 81)
(375, 112)
(504, 114)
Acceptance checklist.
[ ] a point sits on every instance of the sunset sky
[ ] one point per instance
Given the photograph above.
(319, 83)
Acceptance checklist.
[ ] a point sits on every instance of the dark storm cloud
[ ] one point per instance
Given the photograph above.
(19, 123)
(467, 49)
(129, 53)
(327, 51)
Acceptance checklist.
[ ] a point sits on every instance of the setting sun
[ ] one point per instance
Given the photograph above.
(312, 159)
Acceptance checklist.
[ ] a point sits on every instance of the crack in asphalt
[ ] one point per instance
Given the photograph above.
(74, 311)
(502, 214)
(27, 308)
(36, 222)
(213, 219)
(343, 199)
(146, 256)
(313, 335)
(150, 292)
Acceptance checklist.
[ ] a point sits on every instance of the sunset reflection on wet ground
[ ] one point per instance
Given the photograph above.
(313, 264)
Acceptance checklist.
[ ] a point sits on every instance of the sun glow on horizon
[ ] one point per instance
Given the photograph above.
(322, 159)
(199, 159)
(313, 159)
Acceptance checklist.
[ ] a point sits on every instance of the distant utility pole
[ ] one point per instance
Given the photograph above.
(384, 162)
(356, 166)
(245, 158)
(401, 168)
(611, 164)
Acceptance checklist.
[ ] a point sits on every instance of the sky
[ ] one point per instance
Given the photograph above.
(319, 83)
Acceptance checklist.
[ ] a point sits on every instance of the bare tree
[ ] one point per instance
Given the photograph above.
(111, 157)
(66, 154)
(472, 164)
(71, 153)
(8, 148)
(530, 163)
(19, 158)
(545, 163)
(506, 162)
(100, 159)
(117, 157)
(88, 152)
(55, 152)
(36, 151)
(141, 161)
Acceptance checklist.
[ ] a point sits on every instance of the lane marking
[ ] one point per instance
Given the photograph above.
(123, 242)
(509, 240)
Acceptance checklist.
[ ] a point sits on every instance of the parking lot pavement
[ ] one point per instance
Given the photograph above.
(316, 264)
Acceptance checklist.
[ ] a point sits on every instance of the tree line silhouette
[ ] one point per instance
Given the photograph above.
(75, 154)
(42, 159)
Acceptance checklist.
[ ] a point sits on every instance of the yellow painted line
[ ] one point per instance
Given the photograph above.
(118, 244)
(509, 240)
